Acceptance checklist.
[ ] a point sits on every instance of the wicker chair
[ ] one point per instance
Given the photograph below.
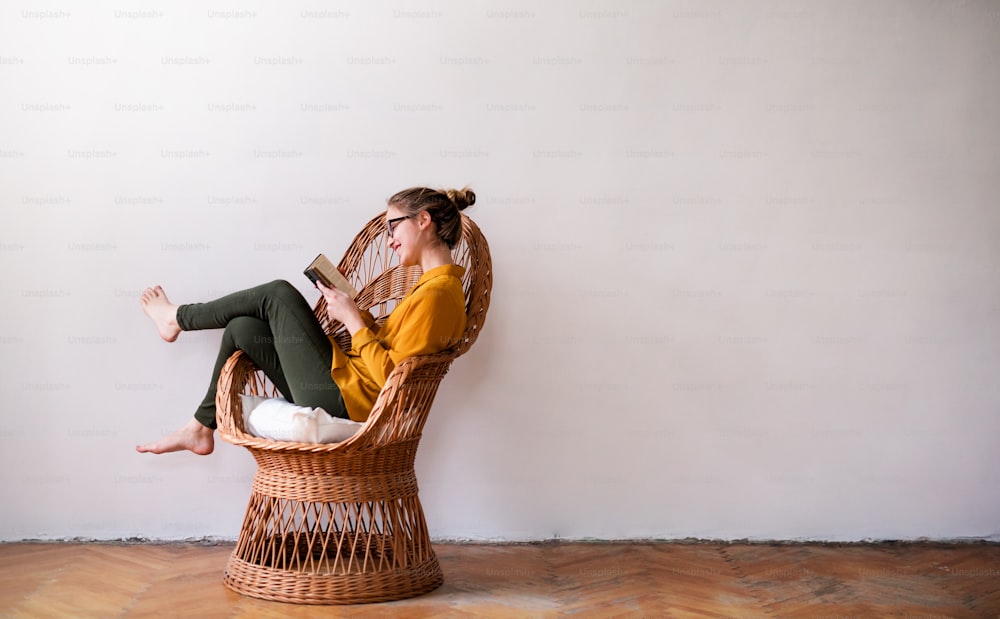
(342, 523)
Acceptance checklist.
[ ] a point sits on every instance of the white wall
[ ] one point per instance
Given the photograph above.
(746, 254)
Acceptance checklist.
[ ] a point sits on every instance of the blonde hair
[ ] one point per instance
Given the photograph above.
(443, 206)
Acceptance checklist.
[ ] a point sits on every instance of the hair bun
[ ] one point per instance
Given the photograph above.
(462, 198)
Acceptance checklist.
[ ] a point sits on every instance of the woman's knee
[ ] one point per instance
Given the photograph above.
(243, 331)
(281, 289)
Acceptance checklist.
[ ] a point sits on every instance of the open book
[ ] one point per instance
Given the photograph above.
(323, 270)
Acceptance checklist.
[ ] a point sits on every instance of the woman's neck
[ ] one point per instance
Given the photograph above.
(435, 256)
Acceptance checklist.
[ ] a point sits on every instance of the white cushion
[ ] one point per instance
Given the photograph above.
(280, 420)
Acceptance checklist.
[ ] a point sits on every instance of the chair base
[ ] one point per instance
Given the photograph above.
(301, 587)
(317, 532)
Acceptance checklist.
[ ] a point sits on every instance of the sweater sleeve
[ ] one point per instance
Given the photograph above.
(369, 320)
(427, 326)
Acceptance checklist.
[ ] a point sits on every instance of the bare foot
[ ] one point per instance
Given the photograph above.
(193, 437)
(163, 313)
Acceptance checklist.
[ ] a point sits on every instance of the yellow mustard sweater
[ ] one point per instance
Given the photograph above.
(429, 319)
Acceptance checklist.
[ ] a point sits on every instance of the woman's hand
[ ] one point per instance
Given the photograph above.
(341, 308)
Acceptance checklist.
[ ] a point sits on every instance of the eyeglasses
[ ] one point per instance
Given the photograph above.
(390, 224)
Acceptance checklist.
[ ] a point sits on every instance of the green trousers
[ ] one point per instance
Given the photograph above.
(275, 326)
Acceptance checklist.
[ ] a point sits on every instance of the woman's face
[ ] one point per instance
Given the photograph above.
(406, 236)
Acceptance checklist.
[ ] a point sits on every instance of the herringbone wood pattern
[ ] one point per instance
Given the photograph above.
(534, 580)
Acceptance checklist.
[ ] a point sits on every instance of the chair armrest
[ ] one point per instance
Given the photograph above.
(239, 375)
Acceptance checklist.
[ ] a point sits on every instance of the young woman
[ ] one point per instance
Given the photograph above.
(276, 327)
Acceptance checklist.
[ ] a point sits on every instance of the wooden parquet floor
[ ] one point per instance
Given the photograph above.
(534, 580)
